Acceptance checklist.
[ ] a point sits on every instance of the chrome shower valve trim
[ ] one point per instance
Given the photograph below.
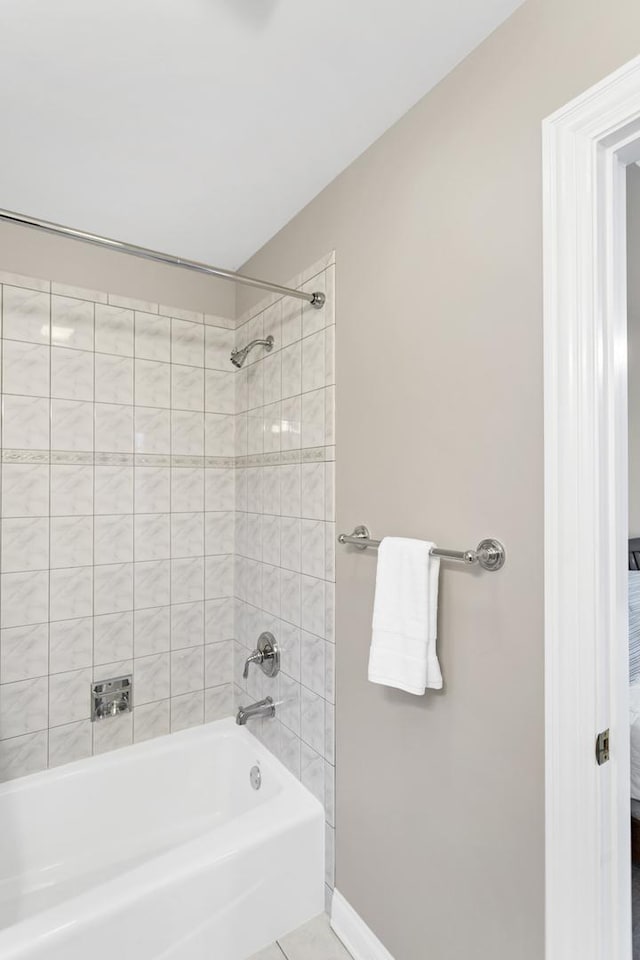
(266, 654)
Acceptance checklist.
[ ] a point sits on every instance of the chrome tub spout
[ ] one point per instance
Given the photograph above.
(262, 708)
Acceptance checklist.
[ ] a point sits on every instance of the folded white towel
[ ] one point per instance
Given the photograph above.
(405, 612)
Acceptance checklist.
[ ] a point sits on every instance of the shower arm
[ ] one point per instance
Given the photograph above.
(267, 342)
(316, 299)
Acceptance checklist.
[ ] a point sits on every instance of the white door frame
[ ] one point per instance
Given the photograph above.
(586, 146)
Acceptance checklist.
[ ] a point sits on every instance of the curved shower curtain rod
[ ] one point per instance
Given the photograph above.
(316, 299)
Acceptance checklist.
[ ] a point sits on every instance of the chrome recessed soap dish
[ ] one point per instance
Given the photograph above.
(110, 698)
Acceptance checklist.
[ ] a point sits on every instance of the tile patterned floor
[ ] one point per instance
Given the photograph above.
(314, 941)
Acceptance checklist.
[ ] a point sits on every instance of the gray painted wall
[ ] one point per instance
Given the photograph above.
(437, 231)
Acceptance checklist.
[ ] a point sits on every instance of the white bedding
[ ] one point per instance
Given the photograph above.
(634, 723)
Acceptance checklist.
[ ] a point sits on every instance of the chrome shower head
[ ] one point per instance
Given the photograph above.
(239, 355)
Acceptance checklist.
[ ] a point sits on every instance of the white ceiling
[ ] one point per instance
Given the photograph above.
(200, 127)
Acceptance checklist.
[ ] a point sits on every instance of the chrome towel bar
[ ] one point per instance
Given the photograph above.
(489, 554)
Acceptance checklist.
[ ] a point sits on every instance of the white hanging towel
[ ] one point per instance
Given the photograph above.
(405, 616)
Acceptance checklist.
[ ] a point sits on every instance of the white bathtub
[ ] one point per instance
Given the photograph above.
(160, 851)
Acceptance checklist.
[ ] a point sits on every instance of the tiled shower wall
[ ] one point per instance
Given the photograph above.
(128, 441)
(117, 500)
(285, 530)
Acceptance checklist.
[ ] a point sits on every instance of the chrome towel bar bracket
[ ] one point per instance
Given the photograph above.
(489, 554)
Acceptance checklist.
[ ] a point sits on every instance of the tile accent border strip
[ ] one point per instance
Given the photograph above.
(70, 457)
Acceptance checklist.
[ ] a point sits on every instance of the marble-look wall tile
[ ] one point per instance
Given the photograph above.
(25, 490)
(25, 368)
(219, 392)
(217, 663)
(152, 583)
(151, 720)
(187, 535)
(92, 382)
(113, 330)
(70, 645)
(187, 343)
(25, 598)
(187, 579)
(152, 336)
(69, 742)
(187, 624)
(71, 594)
(187, 433)
(329, 793)
(20, 756)
(26, 315)
(72, 322)
(151, 677)
(152, 631)
(71, 490)
(72, 374)
(152, 536)
(313, 362)
(152, 430)
(285, 534)
(219, 619)
(187, 388)
(152, 490)
(24, 652)
(69, 697)
(292, 371)
(72, 425)
(114, 428)
(113, 637)
(113, 539)
(187, 710)
(218, 702)
(152, 383)
(187, 489)
(219, 435)
(25, 422)
(113, 490)
(25, 544)
(23, 707)
(141, 560)
(219, 343)
(312, 770)
(71, 541)
(113, 591)
(187, 670)
(113, 379)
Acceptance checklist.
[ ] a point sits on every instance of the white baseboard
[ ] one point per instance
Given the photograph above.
(359, 940)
